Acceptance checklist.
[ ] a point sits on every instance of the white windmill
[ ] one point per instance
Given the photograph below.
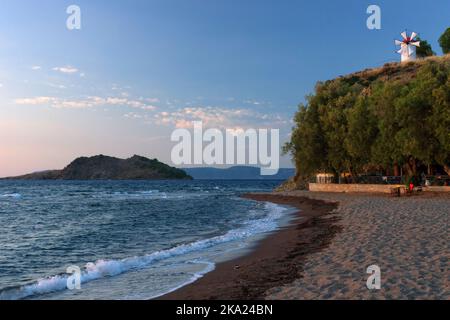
(408, 46)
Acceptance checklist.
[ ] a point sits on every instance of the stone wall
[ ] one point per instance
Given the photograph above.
(367, 188)
(438, 189)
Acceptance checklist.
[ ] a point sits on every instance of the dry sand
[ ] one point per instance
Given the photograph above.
(406, 237)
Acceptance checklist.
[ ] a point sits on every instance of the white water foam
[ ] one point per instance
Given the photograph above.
(11, 195)
(150, 194)
(210, 266)
(109, 268)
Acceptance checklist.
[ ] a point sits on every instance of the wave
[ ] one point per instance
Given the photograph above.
(11, 195)
(110, 268)
(155, 195)
(143, 193)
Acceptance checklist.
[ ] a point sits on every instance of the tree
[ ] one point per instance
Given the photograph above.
(334, 123)
(444, 41)
(413, 107)
(307, 142)
(425, 49)
(362, 131)
(385, 150)
(439, 121)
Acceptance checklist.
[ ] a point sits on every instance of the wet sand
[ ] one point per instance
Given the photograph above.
(325, 252)
(275, 261)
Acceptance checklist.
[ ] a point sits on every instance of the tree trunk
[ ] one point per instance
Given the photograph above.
(411, 167)
(414, 165)
(396, 169)
(387, 171)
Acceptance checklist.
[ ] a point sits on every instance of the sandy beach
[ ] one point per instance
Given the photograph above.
(326, 250)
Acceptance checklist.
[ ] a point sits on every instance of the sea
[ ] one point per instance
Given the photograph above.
(66, 240)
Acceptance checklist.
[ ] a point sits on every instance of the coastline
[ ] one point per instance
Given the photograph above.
(325, 252)
(276, 260)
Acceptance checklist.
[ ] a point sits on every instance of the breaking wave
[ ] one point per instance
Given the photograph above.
(109, 268)
(11, 195)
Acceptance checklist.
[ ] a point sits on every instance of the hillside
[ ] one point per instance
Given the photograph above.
(388, 120)
(393, 71)
(109, 168)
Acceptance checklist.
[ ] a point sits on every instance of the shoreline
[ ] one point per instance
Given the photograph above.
(274, 261)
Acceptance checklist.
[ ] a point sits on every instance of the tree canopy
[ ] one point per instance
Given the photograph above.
(424, 50)
(444, 41)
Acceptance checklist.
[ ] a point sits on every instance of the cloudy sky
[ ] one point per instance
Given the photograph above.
(139, 69)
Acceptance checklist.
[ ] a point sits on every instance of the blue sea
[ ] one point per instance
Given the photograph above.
(130, 239)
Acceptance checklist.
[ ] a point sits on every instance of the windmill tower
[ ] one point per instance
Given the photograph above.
(408, 46)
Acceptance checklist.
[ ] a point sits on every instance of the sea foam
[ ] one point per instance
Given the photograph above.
(109, 268)
(11, 195)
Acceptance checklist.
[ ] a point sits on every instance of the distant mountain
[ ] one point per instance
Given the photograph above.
(237, 173)
(109, 168)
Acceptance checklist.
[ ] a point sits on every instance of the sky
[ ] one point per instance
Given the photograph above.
(136, 70)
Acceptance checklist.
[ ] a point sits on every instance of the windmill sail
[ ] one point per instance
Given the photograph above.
(407, 46)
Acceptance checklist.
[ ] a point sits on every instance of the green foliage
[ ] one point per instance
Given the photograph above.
(362, 131)
(444, 41)
(353, 124)
(424, 50)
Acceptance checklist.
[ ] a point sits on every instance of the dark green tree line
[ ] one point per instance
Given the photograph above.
(376, 121)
